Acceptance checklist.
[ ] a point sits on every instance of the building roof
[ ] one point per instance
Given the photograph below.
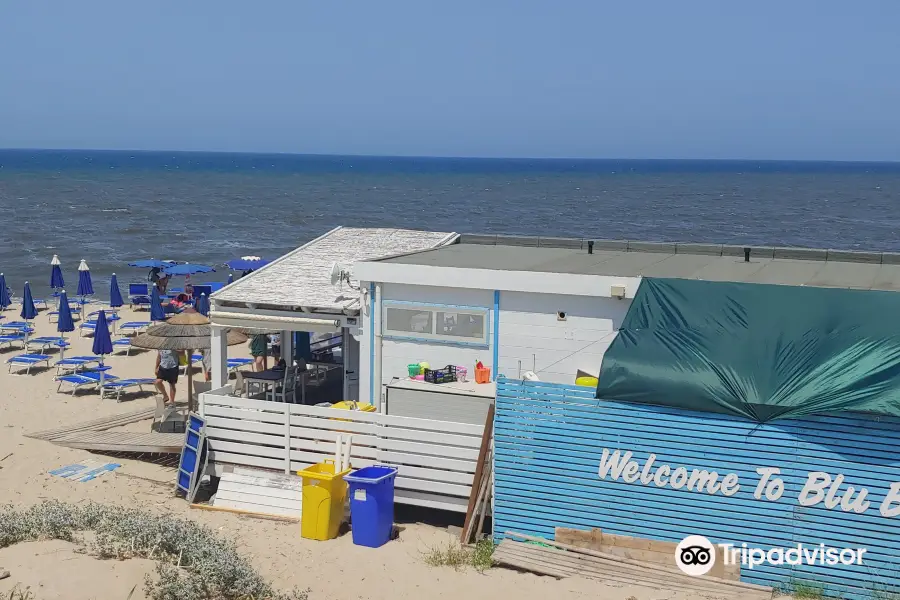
(784, 266)
(302, 278)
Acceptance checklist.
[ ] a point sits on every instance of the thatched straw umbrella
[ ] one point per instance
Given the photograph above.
(189, 331)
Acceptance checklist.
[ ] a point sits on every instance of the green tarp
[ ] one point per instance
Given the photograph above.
(759, 351)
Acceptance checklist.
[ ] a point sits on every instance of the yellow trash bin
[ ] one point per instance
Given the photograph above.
(324, 497)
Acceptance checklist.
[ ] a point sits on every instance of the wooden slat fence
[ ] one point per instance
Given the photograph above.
(436, 459)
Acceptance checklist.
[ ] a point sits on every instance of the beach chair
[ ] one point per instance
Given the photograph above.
(121, 385)
(83, 379)
(27, 361)
(40, 303)
(16, 327)
(9, 339)
(233, 364)
(89, 326)
(133, 327)
(122, 344)
(138, 295)
(75, 363)
(45, 342)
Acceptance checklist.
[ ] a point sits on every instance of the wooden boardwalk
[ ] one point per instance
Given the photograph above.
(123, 441)
(95, 425)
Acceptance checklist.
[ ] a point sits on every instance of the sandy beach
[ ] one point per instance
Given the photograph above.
(335, 570)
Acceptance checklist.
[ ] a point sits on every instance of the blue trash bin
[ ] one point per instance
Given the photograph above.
(372, 505)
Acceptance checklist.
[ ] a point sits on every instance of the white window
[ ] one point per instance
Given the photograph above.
(453, 324)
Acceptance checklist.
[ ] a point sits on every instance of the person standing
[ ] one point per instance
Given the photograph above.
(259, 350)
(167, 372)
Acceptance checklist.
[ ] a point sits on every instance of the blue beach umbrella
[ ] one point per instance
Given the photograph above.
(56, 276)
(5, 300)
(64, 324)
(102, 343)
(85, 287)
(203, 305)
(187, 269)
(247, 263)
(28, 310)
(231, 278)
(156, 310)
(115, 296)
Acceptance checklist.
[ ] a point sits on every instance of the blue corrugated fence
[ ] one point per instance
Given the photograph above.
(550, 440)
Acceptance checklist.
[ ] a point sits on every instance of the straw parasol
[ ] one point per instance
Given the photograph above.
(189, 331)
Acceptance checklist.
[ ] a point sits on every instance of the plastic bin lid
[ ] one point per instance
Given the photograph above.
(373, 474)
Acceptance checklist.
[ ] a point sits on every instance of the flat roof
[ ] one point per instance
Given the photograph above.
(302, 278)
(781, 266)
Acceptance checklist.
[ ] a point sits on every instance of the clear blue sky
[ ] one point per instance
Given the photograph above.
(785, 79)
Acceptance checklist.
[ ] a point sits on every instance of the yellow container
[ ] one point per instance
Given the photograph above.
(586, 381)
(324, 498)
(351, 405)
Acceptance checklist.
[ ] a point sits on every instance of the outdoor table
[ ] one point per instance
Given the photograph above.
(272, 377)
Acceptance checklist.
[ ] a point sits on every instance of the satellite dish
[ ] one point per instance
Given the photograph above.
(336, 272)
(340, 274)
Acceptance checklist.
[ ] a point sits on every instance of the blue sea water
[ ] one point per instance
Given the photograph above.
(110, 207)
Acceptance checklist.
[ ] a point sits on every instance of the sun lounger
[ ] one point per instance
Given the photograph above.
(28, 361)
(13, 338)
(40, 303)
(83, 379)
(53, 315)
(139, 295)
(122, 344)
(133, 327)
(17, 327)
(46, 342)
(234, 364)
(75, 363)
(120, 385)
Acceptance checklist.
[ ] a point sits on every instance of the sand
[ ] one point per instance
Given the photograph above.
(335, 570)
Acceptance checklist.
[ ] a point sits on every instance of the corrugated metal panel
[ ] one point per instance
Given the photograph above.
(549, 439)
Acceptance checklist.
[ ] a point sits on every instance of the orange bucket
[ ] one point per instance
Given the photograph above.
(483, 375)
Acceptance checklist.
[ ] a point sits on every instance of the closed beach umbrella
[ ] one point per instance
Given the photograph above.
(102, 343)
(56, 276)
(231, 278)
(185, 331)
(156, 309)
(115, 296)
(64, 324)
(85, 287)
(5, 300)
(28, 310)
(203, 305)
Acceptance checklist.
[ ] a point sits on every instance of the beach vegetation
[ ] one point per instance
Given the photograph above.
(457, 557)
(192, 561)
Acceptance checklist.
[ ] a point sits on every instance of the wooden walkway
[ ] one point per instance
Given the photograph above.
(123, 441)
(95, 425)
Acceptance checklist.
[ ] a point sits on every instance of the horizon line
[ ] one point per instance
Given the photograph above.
(452, 157)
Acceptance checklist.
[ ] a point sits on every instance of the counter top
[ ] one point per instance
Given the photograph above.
(468, 388)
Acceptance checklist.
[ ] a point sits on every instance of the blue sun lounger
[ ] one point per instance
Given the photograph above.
(122, 344)
(53, 315)
(13, 338)
(16, 327)
(139, 295)
(75, 363)
(83, 379)
(46, 342)
(27, 361)
(133, 327)
(234, 364)
(121, 385)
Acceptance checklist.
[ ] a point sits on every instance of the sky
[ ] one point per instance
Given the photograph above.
(768, 79)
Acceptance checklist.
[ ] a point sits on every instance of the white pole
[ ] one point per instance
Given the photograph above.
(337, 453)
(101, 376)
(218, 357)
(345, 358)
(345, 463)
(376, 401)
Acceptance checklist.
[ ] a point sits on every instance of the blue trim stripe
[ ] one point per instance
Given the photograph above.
(495, 366)
(372, 344)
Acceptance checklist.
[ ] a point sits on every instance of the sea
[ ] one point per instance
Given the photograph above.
(112, 207)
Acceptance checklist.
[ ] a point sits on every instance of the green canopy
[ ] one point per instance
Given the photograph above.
(759, 351)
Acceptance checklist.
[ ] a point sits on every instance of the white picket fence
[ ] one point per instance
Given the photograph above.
(435, 459)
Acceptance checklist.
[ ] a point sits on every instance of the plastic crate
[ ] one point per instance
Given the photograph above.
(444, 375)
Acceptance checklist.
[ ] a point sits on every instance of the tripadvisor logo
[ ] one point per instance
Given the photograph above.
(695, 555)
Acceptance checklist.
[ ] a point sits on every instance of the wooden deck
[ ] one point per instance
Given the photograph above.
(95, 425)
(123, 441)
